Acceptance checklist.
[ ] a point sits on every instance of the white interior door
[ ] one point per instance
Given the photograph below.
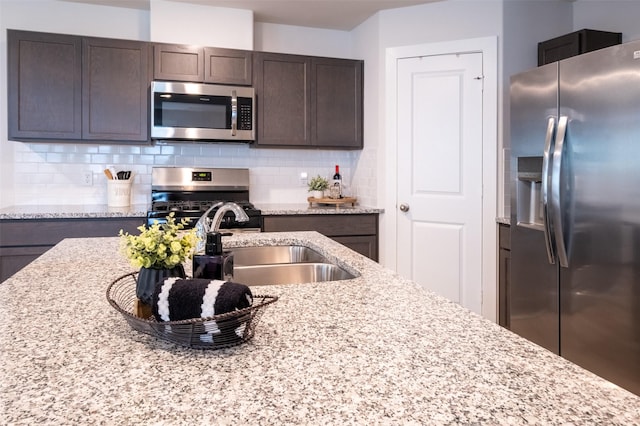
(439, 174)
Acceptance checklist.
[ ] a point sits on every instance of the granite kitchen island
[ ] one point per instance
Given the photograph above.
(376, 349)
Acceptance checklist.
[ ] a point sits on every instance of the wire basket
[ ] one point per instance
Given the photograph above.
(217, 332)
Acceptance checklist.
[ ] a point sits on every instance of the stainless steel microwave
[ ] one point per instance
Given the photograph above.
(205, 112)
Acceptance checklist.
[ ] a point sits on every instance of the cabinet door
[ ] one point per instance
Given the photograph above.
(23, 240)
(504, 273)
(575, 43)
(359, 232)
(116, 80)
(178, 63)
(504, 313)
(282, 84)
(330, 225)
(228, 66)
(12, 259)
(44, 85)
(365, 245)
(336, 103)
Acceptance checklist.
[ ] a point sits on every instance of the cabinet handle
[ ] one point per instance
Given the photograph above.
(404, 207)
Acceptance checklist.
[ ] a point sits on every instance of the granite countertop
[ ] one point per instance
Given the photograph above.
(273, 209)
(72, 211)
(376, 349)
(140, 210)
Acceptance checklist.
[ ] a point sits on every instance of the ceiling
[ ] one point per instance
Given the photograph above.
(331, 14)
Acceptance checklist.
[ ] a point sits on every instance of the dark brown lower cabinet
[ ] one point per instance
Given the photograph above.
(359, 232)
(23, 240)
(504, 264)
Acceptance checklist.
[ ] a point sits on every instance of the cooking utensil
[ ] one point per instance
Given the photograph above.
(123, 175)
(108, 174)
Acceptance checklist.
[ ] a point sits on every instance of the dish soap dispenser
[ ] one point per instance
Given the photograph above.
(215, 263)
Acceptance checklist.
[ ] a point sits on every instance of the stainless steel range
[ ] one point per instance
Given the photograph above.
(190, 192)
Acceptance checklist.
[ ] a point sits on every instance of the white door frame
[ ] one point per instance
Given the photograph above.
(488, 46)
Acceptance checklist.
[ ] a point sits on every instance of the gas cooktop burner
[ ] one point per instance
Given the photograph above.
(193, 210)
(191, 206)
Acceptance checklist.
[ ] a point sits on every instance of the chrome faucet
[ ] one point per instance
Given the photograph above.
(241, 216)
(206, 225)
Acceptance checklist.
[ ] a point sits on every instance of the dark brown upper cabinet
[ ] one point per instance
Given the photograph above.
(73, 88)
(70, 88)
(336, 103)
(228, 66)
(308, 102)
(44, 85)
(575, 43)
(283, 90)
(174, 62)
(116, 80)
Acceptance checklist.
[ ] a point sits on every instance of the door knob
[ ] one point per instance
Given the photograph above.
(404, 207)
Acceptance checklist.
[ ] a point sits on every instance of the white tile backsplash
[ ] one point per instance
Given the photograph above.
(53, 173)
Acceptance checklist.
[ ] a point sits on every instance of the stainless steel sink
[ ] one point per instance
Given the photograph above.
(268, 265)
(267, 255)
(289, 273)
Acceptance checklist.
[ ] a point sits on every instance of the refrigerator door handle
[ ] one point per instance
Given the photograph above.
(556, 202)
(546, 189)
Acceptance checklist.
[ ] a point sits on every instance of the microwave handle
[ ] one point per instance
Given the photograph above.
(234, 113)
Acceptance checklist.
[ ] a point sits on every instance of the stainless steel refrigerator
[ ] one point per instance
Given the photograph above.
(575, 210)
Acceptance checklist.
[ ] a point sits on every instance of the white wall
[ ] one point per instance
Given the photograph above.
(441, 21)
(303, 41)
(74, 18)
(43, 173)
(368, 166)
(606, 15)
(185, 23)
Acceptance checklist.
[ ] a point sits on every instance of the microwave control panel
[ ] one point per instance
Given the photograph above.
(245, 116)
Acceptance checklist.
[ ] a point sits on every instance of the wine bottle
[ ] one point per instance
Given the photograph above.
(336, 191)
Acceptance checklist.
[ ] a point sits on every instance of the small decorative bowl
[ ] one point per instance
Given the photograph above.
(217, 332)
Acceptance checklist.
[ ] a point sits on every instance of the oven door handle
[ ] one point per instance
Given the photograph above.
(234, 113)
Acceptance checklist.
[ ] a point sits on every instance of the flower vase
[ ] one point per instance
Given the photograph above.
(148, 277)
(317, 194)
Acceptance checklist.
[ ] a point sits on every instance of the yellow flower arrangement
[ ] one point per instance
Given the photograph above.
(159, 246)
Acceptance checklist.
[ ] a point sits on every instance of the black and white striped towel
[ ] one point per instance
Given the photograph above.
(177, 299)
